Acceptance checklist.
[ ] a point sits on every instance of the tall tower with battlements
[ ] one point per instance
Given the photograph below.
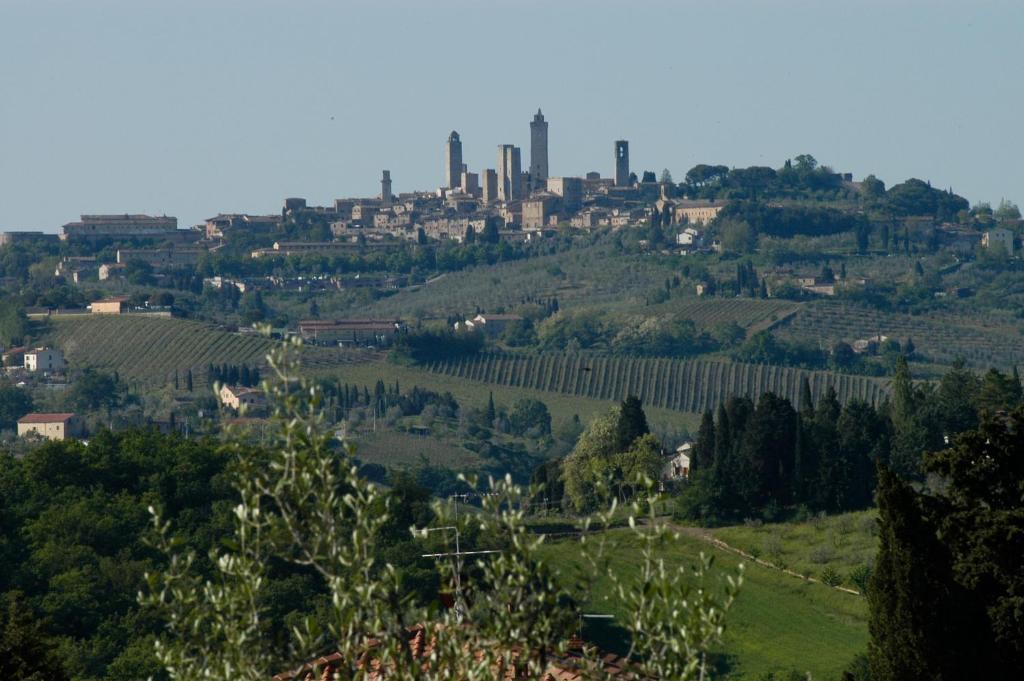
(453, 162)
(538, 152)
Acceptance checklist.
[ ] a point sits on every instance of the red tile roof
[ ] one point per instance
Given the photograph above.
(58, 417)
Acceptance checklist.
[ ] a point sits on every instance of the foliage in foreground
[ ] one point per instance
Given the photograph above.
(947, 595)
(308, 506)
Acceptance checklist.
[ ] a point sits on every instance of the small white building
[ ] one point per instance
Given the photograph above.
(677, 464)
(688, 237)
(1003, 237)
(44, 359)
(239, 398)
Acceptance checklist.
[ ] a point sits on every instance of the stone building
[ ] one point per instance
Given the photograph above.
(59, 426)
(470, 184)
(489, 186)
(539, 210)
(1003, 237)
(510, 173)
(44, 359)
(117, 305)
(697, 212)
(95, 226)
(538, 152)
(222, 225)
(570, 189)
(385, 189)
(453, 161)
(621, 163)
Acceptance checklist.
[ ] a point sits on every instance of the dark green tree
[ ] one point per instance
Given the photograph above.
(922, 624)
(27, 652)
(766, 455)
(14, 403)
(704, 446)
(632, 423)
(979, 512)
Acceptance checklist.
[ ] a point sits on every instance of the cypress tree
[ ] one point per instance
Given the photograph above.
(920, 621)
(704, 447)
(188, 381)
(176, 380)
(491, 412)
(632, 423)
(828, 465)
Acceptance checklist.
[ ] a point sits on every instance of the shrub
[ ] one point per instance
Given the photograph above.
(830, 577)
(860, 576)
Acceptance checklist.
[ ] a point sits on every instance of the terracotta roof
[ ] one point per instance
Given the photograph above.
(58, 417)
(115, 299)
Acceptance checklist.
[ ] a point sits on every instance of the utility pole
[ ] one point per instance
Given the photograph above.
(460, 607)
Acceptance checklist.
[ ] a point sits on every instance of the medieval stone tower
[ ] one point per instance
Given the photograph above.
(538, 152)
(510, 176)
(453, 162)
(621, 163)
(385, 189)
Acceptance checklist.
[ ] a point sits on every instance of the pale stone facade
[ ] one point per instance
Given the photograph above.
(60, 426)
(697, 212)
(109, 306)
(1003, 237)
(44, 359)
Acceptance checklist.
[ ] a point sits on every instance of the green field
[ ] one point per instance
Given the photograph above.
(682, 385)
(395, 449)
(779, 623)
(842, 542)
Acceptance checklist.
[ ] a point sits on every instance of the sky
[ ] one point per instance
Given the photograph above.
(196, 107)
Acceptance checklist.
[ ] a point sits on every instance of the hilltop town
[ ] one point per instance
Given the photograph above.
(628, 386)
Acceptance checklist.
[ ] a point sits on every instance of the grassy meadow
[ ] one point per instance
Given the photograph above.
(779, 623)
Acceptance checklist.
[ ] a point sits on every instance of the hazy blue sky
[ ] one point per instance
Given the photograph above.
(194, 107)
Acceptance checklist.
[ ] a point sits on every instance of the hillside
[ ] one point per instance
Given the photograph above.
(982, 340)
(683, 385)
(150, 349)
(779, 623)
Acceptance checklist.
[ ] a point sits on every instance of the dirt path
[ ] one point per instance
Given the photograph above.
(705, 535)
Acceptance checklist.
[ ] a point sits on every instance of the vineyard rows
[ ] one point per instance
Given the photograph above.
(981, 340)
(682, 385)
(750, 313)
(151, 349)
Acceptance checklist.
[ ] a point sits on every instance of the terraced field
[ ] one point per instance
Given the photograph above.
(982, 340)
(682, 385)
(751, 313)
(150, 349)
